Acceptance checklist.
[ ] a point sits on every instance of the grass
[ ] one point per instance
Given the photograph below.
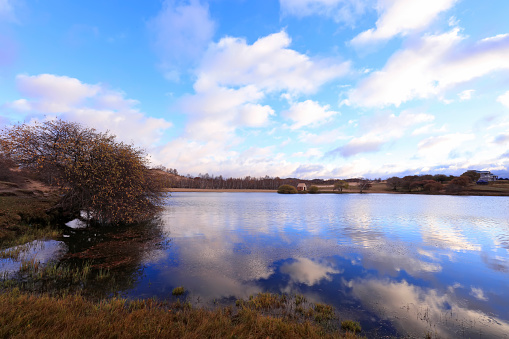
(351, 326)
(73, 316)
(24, 219)
(178, 290)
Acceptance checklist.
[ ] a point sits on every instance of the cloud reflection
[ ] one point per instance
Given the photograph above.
(416, 311)
(307, 271)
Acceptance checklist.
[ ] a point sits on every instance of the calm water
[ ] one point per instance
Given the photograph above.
(399, 264)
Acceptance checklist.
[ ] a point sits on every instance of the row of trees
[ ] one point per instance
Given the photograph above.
(433, 183)
(206, 181)
(107, 179)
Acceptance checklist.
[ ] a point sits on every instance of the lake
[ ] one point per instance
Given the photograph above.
(401, 265)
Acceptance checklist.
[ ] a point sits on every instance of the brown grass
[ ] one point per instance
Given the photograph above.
(29, 316)
(24, 206)
(23, 219)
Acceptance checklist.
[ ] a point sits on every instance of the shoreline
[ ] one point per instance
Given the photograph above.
(376, 191)
(223, 190)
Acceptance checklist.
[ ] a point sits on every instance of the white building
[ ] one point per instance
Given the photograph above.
(487, 176)
(302, 187)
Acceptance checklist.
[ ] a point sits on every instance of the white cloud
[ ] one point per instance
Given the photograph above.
(92, 105)
(310, 153)
(324, 137)
(182, 30)
(466, 94)
(364, 144)
(308, 113)
(253, 115)
(20, 105)
(267, 64)
(504, 99)
(378, 130)
(217, 156)
(400, 17)
(429, 67)
(340, 10)
(234, 77)
(54, 94)
(217, 112)
(437, 149)
(429, 129)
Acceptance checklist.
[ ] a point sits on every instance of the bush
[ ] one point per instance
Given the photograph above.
(351, 326)
(433, 186)
(287, 189)
(178, 290)
(457, 184)
(107, 179)
(313, 189)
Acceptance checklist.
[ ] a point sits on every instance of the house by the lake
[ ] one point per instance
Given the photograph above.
(485, 177)
(302, 187)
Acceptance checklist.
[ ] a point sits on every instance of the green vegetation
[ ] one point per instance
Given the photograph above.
(313, 190)
(109, 180)
(351, 326)
(73, 316)
(287, 189)
(465, 184)
(178, 290)
(340, 185)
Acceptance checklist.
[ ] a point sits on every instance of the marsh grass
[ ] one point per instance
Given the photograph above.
(54, 277)
(24, 219)
(178, 291)
(351, 326)
(73, 316)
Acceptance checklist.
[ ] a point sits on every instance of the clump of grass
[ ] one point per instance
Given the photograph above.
(323, 312)
(267, 301)
(30, 265)
(299, 299)
(351, 326)
(178, 291)
(11, 253)
(103, 274)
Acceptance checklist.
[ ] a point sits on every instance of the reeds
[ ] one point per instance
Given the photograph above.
(73, 316)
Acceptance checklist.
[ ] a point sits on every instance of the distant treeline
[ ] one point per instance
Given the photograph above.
(206, 181)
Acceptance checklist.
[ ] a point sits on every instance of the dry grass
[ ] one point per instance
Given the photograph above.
(29, 316)
(23, 219)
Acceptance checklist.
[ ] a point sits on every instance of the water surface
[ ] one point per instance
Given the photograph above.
(401, 265)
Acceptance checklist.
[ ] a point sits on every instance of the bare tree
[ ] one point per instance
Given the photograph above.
(364, 184)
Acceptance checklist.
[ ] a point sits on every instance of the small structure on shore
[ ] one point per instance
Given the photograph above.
(302, 187)
(485, 176)
(488, 176)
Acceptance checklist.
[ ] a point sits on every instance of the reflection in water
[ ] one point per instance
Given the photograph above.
(404, 261)
(38, 251)
(306, 271)
(399, 264)
(416, 310)
(117, 256)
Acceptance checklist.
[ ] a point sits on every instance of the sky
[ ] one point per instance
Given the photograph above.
(288, 88)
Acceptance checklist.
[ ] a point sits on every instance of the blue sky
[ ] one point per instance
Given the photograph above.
(300, 88)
